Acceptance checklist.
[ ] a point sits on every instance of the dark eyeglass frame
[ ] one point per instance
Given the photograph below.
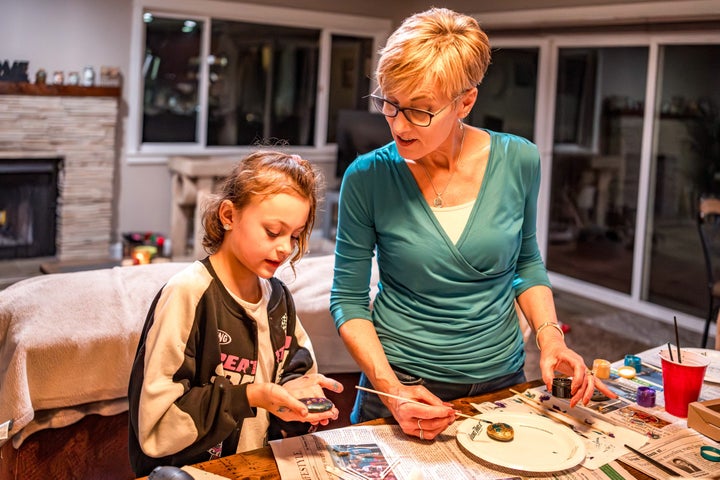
(398, 109)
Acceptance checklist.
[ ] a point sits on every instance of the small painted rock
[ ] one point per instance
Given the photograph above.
(502, 432)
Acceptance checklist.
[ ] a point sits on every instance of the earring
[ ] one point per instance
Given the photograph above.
(227, 227)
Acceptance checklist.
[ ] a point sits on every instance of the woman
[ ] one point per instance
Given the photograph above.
(450, 211)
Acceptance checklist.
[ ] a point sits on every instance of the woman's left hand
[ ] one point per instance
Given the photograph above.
(557, 357)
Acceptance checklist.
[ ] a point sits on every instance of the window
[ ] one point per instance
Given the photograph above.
(575, 107)
(351, 70)
(225, 76)
(170, 79)
(508, 94)
(263, 80)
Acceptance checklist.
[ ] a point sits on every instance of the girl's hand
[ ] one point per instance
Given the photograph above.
(282, 400)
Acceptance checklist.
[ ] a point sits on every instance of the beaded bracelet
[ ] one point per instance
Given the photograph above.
(547, 324)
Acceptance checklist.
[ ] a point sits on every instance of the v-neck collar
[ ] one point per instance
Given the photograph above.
(420, 199)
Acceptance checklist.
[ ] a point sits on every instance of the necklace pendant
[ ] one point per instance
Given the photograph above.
(438, 202)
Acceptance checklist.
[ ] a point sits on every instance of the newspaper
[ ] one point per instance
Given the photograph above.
(385, 452)
(680, 452)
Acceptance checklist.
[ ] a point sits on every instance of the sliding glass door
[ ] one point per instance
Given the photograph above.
(600, 98)
(685, 165)
(628, 126)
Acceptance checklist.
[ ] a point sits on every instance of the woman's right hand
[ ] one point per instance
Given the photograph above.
(423, 421)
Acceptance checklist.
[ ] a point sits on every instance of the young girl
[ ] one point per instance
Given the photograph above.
(222, 360)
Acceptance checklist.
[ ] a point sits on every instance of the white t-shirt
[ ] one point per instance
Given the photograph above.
(453, 219)
(254, 429)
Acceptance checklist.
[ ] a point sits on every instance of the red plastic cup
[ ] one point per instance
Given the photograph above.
(682, 382)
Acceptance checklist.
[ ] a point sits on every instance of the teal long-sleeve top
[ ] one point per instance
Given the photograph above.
(443, 311)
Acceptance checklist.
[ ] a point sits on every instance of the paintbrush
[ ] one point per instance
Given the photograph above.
(677, 340)
(651, 367)
(652, 461)
(408, 400)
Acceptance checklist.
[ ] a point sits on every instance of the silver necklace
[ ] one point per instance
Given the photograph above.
(438, 201)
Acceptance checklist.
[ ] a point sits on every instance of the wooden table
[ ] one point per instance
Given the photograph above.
(260, 464)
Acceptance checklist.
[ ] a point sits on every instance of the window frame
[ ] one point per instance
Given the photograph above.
(328, 23)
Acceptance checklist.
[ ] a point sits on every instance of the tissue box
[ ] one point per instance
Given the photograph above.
(704, 417)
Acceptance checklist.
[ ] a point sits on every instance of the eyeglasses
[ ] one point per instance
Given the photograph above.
(416, 116)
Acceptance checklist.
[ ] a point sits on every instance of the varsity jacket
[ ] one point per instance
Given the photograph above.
(196, 355)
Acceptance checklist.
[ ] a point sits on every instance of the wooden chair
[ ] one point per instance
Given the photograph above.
(708, 222)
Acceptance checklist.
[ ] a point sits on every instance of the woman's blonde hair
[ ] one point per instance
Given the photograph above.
(435, 48)
(264, 173)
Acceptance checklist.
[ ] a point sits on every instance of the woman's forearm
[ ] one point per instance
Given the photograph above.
(364, 346)
(538, 306)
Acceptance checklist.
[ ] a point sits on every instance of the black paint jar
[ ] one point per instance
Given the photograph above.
(561, 387)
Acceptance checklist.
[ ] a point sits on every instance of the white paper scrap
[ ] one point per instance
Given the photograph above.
(5, 429)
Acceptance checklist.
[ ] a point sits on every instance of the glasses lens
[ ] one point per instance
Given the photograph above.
(418, 117)
(376, 103)
(384, 107)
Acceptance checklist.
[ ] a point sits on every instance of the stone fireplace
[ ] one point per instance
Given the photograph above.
(28, 207)
(77, 126)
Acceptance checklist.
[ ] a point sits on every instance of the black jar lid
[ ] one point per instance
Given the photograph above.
(561, 387)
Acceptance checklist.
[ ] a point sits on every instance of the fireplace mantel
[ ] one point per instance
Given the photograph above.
(25, 88)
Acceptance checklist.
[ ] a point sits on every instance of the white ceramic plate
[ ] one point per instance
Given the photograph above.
(712, 373)
(539, 445)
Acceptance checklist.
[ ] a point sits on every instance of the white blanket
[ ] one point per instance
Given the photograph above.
(310, 287)
(67, 341)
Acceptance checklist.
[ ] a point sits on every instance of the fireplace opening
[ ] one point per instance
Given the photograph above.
(28, 207)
